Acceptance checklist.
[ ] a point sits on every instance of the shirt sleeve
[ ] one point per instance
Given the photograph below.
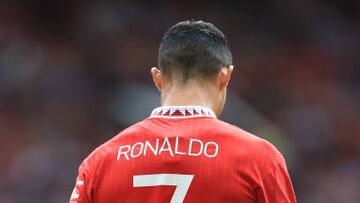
(276, 184)
(82, 190)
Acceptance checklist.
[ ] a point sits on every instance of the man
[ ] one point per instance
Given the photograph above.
(182, 152)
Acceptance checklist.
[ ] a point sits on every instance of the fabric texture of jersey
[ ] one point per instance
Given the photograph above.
(184, 154)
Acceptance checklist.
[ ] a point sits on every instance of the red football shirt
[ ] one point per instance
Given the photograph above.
(184, 154)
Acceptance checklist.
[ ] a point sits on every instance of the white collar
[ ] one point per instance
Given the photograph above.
(182, 112)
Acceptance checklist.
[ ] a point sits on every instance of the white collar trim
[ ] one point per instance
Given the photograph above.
(182, 112)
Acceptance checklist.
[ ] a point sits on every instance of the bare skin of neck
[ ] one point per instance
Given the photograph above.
(210, 93)
(191, 94)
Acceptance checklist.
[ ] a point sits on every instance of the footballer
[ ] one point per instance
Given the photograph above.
(182, 152)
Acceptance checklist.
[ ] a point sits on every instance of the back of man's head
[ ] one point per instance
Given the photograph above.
(193, 50)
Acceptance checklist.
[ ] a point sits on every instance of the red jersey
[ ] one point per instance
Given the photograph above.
(184, 154)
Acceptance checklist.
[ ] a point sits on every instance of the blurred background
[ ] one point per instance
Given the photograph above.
(75, 73)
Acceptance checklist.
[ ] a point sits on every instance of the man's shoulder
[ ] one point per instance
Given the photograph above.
(248, 141)
(108, 149)
(236, 133)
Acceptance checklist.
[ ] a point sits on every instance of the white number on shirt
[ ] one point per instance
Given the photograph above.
(182, 183)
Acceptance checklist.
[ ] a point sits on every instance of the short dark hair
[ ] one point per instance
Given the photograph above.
(193, 49)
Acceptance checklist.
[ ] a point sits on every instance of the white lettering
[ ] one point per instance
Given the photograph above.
(148, 145)
(191, 146)
(133, 155)
(177, 147)
(206, 149)
(166, 142)
(125, 152)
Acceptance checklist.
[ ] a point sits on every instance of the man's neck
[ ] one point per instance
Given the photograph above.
(188, 95)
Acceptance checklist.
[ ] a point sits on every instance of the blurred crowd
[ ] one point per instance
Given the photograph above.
(75, 73)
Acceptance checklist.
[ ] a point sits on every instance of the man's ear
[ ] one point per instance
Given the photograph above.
(224, 76)
(157, 77)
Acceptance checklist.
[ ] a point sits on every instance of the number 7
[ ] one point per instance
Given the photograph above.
(182, 183)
